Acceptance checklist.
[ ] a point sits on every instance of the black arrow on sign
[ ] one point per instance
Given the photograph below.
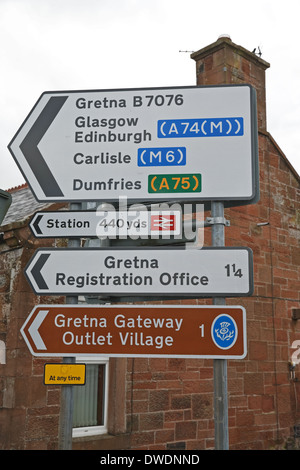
(36, 271)
(30, 150)
(36, 226)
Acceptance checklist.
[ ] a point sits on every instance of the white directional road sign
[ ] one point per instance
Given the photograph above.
(105, 223)
(143, 272)
(186, 143)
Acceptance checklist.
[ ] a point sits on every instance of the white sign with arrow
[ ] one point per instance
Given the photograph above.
(126, 272)
(187, 143)
(109, 224)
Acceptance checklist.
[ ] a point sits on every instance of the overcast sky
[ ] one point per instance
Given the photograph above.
(49, 45)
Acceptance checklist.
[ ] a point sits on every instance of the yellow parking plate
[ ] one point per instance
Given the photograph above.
(64, 374)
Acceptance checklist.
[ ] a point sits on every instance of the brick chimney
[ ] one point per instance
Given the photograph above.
(224, 62)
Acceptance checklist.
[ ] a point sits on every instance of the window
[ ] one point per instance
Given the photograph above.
(90, 400)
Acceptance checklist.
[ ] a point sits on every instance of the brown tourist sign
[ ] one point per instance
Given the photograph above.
(137, 330)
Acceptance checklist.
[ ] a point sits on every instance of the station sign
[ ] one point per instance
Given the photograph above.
(175, 272)
(109, 224)
(137, 330)
(154, 144)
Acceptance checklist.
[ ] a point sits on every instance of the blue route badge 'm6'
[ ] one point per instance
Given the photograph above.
(224, 331)
(164, 156)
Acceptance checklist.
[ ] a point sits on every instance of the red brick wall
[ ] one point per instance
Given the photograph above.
(29, 411)
(169, 403)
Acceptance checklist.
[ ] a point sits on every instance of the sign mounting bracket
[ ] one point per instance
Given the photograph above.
(216, 221)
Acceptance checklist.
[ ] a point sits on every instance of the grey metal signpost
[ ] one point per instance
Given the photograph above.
(220, 365)
(67, 402)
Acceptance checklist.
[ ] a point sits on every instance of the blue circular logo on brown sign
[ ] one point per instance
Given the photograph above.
(224, 331)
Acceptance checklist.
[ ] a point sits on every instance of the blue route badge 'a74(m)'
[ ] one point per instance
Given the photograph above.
(154, 144)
